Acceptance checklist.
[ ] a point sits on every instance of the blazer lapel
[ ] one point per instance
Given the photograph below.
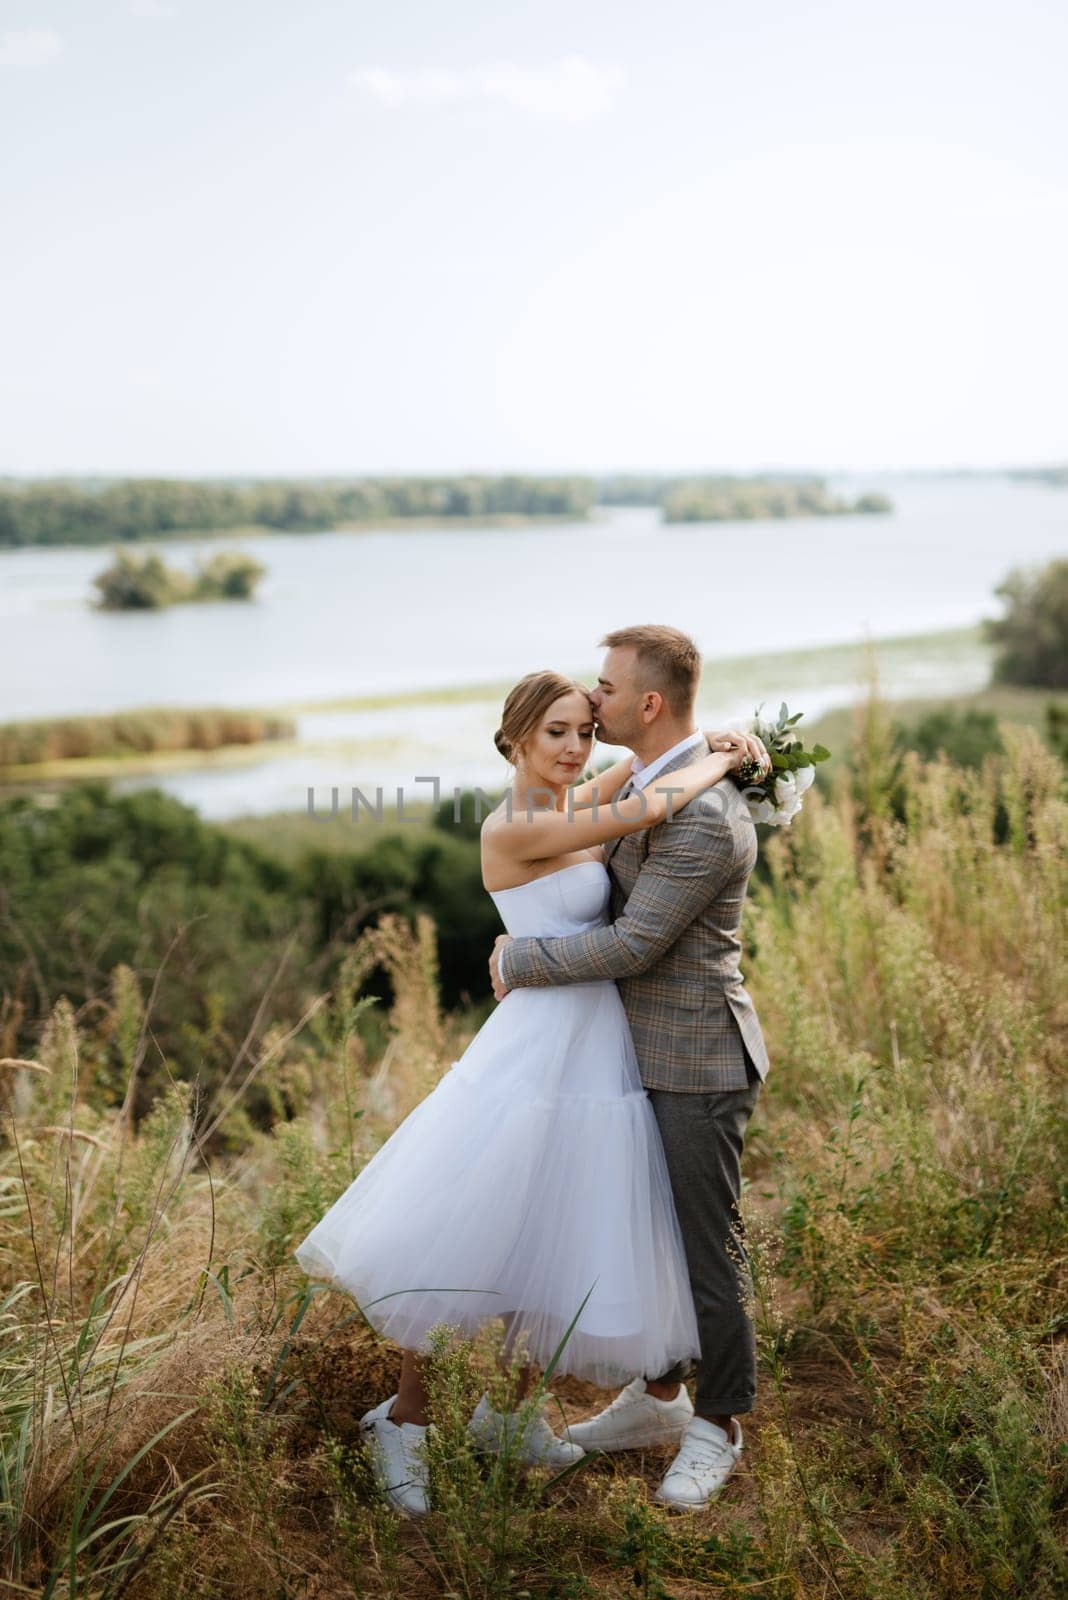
(612, 845)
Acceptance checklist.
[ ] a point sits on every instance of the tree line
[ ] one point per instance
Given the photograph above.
(726, 497)
(64, 511)
(59, 511)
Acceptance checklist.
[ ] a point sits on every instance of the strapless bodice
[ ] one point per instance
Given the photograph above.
(570, 900)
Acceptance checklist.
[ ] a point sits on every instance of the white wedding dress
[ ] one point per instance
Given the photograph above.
(531, 1175)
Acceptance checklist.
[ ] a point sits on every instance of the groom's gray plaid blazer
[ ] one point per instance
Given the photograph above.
(677, 896)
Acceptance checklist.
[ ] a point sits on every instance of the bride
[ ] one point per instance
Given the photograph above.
(530, 1184)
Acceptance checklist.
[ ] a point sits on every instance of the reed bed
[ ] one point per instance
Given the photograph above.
(141, 732)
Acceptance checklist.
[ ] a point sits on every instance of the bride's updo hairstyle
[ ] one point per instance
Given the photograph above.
(526, 704)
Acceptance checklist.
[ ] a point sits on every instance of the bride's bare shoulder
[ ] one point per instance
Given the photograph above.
(492, 836)
(493, 823)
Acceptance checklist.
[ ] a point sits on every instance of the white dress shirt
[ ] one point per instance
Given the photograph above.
(644, 772)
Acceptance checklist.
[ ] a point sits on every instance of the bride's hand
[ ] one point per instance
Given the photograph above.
(499, 990)
(741, 746)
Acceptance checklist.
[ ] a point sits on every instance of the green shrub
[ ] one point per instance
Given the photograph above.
(134, 582)
(1032, 636)
(228, 575)
(966, 737)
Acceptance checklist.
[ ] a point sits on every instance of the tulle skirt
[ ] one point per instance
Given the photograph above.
(530, 1184)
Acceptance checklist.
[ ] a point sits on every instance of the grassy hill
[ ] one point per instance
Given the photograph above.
(180, 1405)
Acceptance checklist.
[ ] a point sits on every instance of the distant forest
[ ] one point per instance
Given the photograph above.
(731, 499)
(1056, 476)
(100, 511)
(62, 511)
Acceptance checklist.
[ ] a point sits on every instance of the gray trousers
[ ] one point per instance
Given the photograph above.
(703, 1136)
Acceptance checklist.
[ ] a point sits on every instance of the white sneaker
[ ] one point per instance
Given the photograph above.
(699, 1470)
(635, 1419)
(399, 1459)
(538, 1447)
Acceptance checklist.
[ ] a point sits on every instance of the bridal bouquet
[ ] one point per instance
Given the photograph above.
(776, 799)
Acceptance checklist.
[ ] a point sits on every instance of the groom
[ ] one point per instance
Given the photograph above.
(677, 895)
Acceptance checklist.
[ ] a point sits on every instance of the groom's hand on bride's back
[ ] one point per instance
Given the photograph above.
(499, 990)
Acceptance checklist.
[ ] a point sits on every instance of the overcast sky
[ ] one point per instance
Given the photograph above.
(281, 236)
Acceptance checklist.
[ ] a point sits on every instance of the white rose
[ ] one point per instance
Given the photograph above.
(788, 801)
(762, 810)
(804, 777)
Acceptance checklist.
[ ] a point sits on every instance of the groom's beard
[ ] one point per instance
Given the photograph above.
(612, 735)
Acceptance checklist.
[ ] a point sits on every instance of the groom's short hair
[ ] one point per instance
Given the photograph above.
(668, 661)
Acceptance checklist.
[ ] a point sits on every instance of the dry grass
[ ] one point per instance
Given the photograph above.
(124, 734)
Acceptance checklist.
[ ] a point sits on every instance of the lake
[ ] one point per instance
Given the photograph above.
(345, 615)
